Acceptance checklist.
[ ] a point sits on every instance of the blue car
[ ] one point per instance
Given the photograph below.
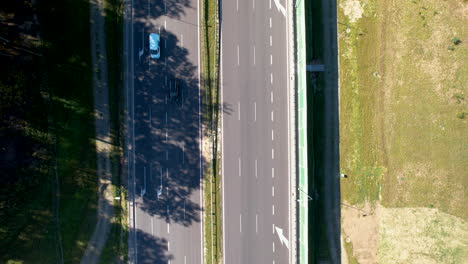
(154, 49)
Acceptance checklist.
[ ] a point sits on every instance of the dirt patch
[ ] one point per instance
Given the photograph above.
(352, 9)
(361, 228)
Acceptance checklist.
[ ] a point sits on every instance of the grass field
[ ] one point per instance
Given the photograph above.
(403, 79)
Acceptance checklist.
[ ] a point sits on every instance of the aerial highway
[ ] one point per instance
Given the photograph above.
(163, 132)
(256, 175)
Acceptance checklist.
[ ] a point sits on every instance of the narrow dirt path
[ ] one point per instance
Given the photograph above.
(102, 133)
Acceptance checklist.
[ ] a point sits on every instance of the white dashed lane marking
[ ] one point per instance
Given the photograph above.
(240, 223)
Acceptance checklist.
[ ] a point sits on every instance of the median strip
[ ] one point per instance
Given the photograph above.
(211, 131)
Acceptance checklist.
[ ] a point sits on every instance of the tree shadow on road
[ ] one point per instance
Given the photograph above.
(167, 131)
(152, 249)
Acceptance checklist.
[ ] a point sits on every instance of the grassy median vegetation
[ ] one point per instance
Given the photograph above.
(116, 248)
(403, 79)
(211, 131)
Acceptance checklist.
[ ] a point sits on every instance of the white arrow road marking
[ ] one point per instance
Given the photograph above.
(280, 7)
(282, 238)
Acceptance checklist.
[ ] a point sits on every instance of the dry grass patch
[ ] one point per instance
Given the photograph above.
(421, 235)
(404, 235)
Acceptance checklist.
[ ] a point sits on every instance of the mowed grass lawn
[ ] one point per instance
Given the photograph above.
(403, 127)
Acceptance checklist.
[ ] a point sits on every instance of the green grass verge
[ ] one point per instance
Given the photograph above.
(116, 247)
(349, 251)
(210, 117)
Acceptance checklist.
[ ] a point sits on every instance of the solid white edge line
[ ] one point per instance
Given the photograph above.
(133, 137)
(291, 256)
(200, 140)
(222, 143)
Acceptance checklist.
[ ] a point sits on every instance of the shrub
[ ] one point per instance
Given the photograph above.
(456, 40)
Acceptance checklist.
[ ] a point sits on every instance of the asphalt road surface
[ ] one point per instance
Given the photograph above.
(255, 131)
(164, 134)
